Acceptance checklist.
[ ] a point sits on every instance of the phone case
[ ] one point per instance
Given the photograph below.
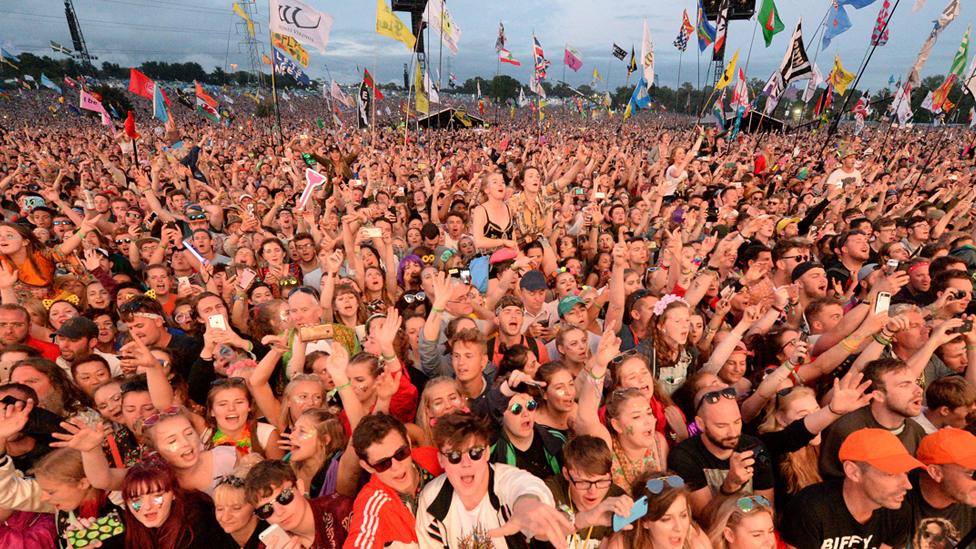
(104, 528)
(636, 512)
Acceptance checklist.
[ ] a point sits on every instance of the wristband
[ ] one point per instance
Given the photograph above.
(343, 387)
(436, 310)
(589, 372)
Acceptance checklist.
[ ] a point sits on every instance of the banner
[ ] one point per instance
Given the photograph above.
(573, 59)
(283, 65)
(947, 16)
(619, 52)
(647, 56)
(389, 25)
(436, 14)
(290, 46)
(89, 103)
(300, 21)
(796, 64)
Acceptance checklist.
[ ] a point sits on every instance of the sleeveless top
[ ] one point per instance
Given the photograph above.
(623, 470)
(493, 230)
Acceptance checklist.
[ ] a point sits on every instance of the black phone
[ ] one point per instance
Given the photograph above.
(759, 453)
(967, 326)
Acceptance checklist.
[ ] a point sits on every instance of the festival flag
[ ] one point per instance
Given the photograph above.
(422, 104)
(839, 77)
(58, 48)
(816, 78)
(285, 66)
(159, 105)
(721, 30)
(639, 99)
(647, 56)
(962, 54)
(619, 52)
(46, 82)
(68, 81)
(596, 76)
(573, 59)
(247, 18)
(143, 86)
(300, 21)
(879, 36)
(364, 100)
(500, 41)
(948, 15)
(941, 94)
(740, 93)
(436, 14)
(770, 21)
(342, 98)
(857, 4)
(368, 80)
(823, 104)
(130, 126)
(206, 105)
(451, 79)
(431, 91)
(477, 84)
(796, 64)
(970, 82)
(389, 25)
(902, 104)
(706, 32)
(88, 102)
(541, 65)
(290, 46)
(505, 56)
(718, 111)
(632, 65)
(728, 73)
(684, 33)
(773, 89)
(8, 58)
(837, 23)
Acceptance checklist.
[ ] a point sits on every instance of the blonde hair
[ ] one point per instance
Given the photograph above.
(285, 418)
(423, 416)
(800, 468)
(727, 515)
(61, 465)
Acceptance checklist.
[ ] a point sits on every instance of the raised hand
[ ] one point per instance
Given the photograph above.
(849, 393)
(81, 436)
(13, 418)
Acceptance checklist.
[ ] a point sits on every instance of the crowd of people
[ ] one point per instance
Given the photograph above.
(577, 335)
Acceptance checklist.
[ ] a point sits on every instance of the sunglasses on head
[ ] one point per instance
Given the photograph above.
(232, 381)
(303, 290)
(411, 298)
(623, 356)
(375, 305)
(265, 511)
(656, 485)
(454, 456)
(531, 406)
(157, 417)
(748, 504)
(384, 464)
(714, 396)
(230, 480)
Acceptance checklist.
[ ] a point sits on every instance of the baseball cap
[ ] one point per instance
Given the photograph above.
(533, 281)
(948, 445)
(784, 223)
(567, 303)
(740, 347)
(78, 327)
(866, 271)
(879, 448)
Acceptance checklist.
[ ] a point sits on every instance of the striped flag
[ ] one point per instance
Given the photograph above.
(706, 32)
(505, 56)
(962, 54)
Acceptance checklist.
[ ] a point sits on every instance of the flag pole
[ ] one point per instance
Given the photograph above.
(274, 86)
(677, 85)
(606, 79)
(440, 51)
(565, 49)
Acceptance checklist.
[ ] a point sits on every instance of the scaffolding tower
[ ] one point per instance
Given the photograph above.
(77, 38)
(250, 45)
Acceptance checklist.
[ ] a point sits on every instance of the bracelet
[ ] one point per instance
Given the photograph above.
(886, 334)
(436, 310)
(830, 408)
(589, 372)
(881, 340)
(343, 387)
(970, 347)
(777, 309)
(387, 358)
(849, 344)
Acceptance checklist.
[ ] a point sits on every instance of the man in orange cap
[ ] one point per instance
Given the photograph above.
(944, 504)
(865, 509)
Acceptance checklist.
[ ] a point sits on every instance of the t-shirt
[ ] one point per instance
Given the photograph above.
(700, 468)
(818, 518)
(833, 436)
(931, 527)
(846, 179)
(584, 538)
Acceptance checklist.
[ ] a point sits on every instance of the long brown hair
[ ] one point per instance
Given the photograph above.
(800, 468)
(657, 505)
(252, 419)
(661, 349)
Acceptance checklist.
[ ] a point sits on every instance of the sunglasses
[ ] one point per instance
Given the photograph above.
(230, 480)
(714, 396)
(531, 406)
(454, 456)
(751, 503)
(798, 258)
(62, 223)
(197, 217)
(782, 393)
(384, 464)
(656, 485)
(303, 290)
(284, 498)
(156, 418)
(375, 305)
(123, 241)
(232, 381)
(623, 356)
(411, 298)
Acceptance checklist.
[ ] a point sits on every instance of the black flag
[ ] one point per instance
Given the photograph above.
(619, 52)
(365, 104)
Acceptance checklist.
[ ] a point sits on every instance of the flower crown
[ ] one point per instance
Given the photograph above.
(663, 303)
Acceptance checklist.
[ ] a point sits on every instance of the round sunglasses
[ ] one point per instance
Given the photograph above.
(530, 406)
(454, 456)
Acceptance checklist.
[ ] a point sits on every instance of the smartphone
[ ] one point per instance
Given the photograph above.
(315, 333)
(103, 528)
(151, 219)
(636, 513)
(882, 302)
(967, 326)
(245, 278)
(371, 232)
(182, 281)
(892, 265)
(89, 200)
(599, 196)
(217, 321)
(275, 534)
(578, 191)
(465, 276)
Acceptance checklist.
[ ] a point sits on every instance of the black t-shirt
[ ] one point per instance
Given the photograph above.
(817, 518)
(833, 436)
(700, 468)
(931, 527)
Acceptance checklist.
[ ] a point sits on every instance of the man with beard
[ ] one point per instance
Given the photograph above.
(864, 508)
(76, 339)
(510, 314)
(722, 461)
(917, 291)
(945, 489)
(15, 324)
(853, 250)
(897, 398)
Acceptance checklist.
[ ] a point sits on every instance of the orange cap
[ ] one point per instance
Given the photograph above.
(880, 449)
(948, 445)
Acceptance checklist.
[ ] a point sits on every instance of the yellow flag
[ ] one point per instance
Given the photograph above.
(418, 83)
(840, 78)
(596, 75)
(729, 73)
(240, 12)
(388, 24)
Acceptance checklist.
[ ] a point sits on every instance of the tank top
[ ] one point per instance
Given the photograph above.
(494, 230)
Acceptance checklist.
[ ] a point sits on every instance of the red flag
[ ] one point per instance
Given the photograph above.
(368, 80)
(69, 82)
(143, 86)
(130, 126)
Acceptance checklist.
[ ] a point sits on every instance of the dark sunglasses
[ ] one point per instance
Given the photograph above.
(782, 393)
(123, 241)
(375, 305)
(751, 503)
(62, 223)
(656, 485)
(265, 511)
(230, 480)
(384, 464)
(303, 290)
(714, 396)
(197, 217)
(454, 456)
(232, 381)
(798, 258)
(623, 356)
(530, 406)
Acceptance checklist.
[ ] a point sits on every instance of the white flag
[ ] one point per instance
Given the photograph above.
(647, 56)
(970, 81)
(815, 80)
(300, 21)
(947, 16)
(337, 94)
(478, 83)
(430, 89)
(437, 16)
(903, 104)
(773, 90)
(927, 104)
(522, 100)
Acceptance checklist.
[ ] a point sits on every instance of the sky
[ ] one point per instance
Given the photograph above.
(129, 32)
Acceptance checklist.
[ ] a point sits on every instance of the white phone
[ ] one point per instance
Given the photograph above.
(217, 321)
(276, 534)
(882, 302)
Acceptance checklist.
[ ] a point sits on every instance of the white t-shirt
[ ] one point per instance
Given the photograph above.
(842, 178)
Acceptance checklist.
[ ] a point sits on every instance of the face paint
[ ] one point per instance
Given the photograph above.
(629, 430)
